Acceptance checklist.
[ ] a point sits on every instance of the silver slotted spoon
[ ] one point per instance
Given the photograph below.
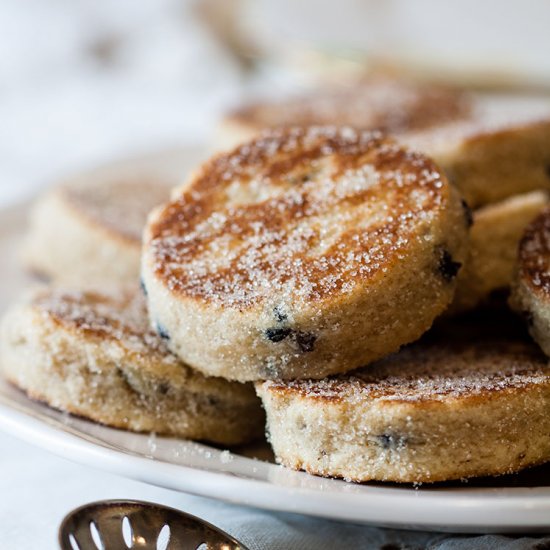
(123, 524)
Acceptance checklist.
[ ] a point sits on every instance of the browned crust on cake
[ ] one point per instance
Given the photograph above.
(118, 317)
(471, 399)
(534, 255)
(504, 140)
(476, 138)
(387, 104)
(435, 375)
(283, 160)
(92, 353)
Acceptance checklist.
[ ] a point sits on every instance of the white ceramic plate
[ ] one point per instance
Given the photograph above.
(515, 503)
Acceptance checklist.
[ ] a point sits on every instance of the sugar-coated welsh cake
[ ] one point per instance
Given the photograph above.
(448, 408)
(88, 232)
(93, 354)
(303, 253)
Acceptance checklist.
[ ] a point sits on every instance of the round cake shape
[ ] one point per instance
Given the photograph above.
(92, 353)
(306, 252)
(435, 411)
(88, 232)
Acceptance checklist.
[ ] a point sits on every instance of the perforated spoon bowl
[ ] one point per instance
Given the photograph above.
(123, 524)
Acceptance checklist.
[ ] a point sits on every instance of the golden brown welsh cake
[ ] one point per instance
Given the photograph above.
(494, 238)
(89, 232)
(531, 289)
(444, 409)
(491, 146)
(303, 253)
(380, 102)
(92, 353)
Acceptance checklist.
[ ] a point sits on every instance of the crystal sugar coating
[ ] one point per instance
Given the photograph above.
(477, 138)
(306, 213)
(305, 252)
(436, 372)
(119, 316)
(92, 353)
(439, 410)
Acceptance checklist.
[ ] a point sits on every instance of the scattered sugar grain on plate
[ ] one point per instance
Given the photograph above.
(226, 457)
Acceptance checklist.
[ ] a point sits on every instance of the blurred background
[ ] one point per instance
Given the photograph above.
(85, 81)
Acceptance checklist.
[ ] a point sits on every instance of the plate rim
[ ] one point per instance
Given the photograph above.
(419, 505)
(467, 510)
